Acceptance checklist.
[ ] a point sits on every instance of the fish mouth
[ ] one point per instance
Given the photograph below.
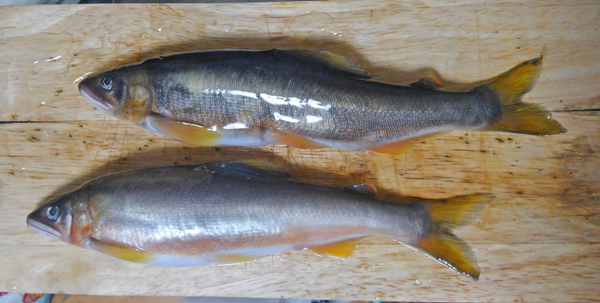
(43, 229)
(95, 100)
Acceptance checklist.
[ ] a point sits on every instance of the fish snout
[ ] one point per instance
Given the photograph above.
(86, 89)
(35, 222)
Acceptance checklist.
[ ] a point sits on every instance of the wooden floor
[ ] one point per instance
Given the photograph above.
(538, 240)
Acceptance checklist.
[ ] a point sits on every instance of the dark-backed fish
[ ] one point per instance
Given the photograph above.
(306, 99)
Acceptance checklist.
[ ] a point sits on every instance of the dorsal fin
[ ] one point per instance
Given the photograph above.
(429, 83)
(330, 61)
(362, 189)
(255, 169)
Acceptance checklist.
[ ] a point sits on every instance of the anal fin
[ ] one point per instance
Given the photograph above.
(339, 249)
(295, 140)
(122, 252)
(185, 131)
(398, 147)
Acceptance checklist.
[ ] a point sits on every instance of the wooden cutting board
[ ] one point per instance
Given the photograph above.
(538, 240)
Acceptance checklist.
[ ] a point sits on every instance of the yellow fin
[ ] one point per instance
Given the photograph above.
(457, 211)
(122, 252)
(188, 132)
(330, 61)
(398, 147)
(235, 258)
(295, 140)
(452, 252)
(339, 249)
(519, 117)
(442, 244)
(513, 84)
(526, 118)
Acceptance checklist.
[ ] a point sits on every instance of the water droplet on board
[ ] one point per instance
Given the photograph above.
(53, 58)
(11, 284)
(228, 27)
(24, 76)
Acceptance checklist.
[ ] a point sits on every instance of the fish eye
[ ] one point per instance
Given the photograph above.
(107, 82)
(53, 212)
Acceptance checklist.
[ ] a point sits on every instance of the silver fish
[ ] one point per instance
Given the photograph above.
(234, 211)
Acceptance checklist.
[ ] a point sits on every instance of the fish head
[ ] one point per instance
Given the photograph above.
(66, 218)
(123, 93)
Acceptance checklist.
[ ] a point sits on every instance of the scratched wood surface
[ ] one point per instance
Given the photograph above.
(538, 240)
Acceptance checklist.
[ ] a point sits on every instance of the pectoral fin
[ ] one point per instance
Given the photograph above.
(188, 132)
(295, 140)
(339, 249)
(398, 147)
(120, 251)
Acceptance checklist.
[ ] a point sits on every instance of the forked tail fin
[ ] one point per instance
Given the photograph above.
(519, 117)
(441, 244)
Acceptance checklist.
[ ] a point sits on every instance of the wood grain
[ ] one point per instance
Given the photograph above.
(113, 299)
(537, 241)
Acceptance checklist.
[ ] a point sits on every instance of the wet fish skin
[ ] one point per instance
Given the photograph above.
(274, 96)
(233, 211)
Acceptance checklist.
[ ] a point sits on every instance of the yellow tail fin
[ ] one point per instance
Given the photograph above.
(519, 117)
(441, 244)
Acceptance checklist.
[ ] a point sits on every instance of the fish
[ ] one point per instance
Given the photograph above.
(235, 211)
(306, 99)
